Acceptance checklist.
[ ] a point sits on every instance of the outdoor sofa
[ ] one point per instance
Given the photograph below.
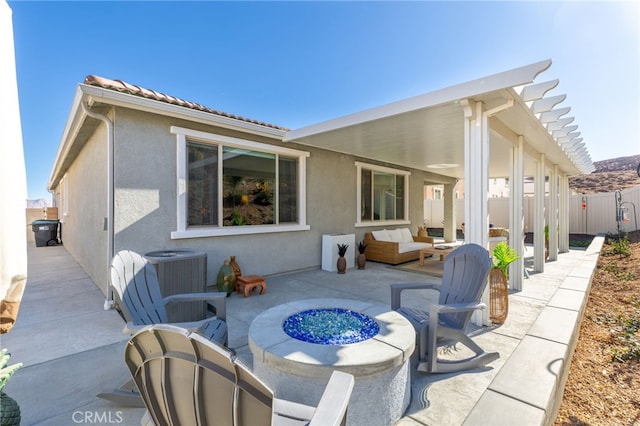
(394, 246)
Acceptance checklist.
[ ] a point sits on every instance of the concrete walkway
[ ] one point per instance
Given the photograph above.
(72, 349)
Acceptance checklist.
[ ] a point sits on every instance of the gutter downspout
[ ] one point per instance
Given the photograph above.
(108, 303)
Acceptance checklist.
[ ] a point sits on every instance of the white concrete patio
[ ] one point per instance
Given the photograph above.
(72, 349)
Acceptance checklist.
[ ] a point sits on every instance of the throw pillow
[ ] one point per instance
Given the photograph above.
(381, 235)
(406, 235)
(395, 235)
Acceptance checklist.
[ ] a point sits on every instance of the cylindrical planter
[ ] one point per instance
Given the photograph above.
(499, 296)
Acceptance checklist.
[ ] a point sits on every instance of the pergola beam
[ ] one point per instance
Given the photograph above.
(546, 104)
(537, 91)
(559, 123)
(564, 131)
(553, 115)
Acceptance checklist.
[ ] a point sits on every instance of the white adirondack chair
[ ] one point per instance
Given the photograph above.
(185, 379)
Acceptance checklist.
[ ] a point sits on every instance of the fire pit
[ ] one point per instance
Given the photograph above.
(297, 345)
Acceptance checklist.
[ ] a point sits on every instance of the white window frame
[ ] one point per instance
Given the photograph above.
(360, 223)
(437, 193)
(182, 231)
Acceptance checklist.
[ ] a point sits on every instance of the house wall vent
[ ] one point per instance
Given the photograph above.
(181, 271)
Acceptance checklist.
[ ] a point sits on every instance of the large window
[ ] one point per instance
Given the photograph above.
(232, 186)
(382, 195)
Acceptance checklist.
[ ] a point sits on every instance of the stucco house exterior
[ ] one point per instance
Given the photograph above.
(138, 169)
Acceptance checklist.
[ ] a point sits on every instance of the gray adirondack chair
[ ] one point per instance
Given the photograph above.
(135, 281)
(185, 379)
(464, 279)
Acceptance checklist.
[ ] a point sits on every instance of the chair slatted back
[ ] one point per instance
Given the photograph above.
(183, 378)
(464, 279)
(254, 398)
(135, 280)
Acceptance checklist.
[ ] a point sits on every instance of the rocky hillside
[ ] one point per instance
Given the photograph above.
(610, 175)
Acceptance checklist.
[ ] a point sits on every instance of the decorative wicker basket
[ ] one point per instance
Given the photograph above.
(499, 296)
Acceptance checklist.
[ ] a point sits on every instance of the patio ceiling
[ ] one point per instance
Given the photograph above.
(428, 129)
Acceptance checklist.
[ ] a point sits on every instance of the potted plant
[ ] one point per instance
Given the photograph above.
(361, 260)
(503, 256)
(9, 408)
(342, 262)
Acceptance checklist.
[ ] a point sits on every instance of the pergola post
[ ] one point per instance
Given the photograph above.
(553, 213)
(476, 187)
(449, 212)
(476, 182)
(516, 213)
(538, 215)
(563, 213)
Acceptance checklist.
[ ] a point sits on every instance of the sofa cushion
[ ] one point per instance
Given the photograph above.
(395, 235)
(381, 235)
(407, 247)
(406, 235)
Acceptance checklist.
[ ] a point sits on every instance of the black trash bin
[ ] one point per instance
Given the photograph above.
(46, 232)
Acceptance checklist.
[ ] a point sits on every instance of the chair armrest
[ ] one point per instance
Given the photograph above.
(131, 328)
(458, 307)
(396, 290)
(332, 408)
(420, 239)
(217, 299)
(286, 413)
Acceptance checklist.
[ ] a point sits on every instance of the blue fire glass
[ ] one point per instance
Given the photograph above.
(330, 326)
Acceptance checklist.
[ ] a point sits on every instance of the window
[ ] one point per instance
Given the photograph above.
(229, 186)
(382, 195)
(202, 192)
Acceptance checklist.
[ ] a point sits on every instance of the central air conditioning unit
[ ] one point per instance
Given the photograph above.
(181, 271)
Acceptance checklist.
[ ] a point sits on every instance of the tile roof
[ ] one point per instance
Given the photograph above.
(124, 87)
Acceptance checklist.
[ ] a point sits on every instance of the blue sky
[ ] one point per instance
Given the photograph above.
(299, 63)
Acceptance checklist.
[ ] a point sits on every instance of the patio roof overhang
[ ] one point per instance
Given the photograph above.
(426, 132)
